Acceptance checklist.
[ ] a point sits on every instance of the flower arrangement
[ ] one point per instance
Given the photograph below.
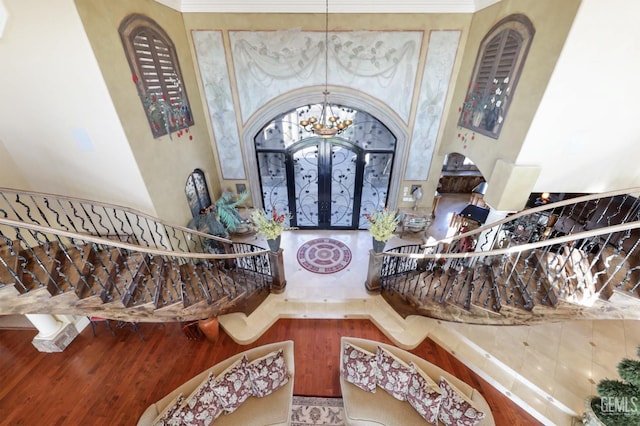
(270, 226)
(484, 108)
(165, 114)
(383, 223)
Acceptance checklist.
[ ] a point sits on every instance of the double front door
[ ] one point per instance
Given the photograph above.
(325, 183)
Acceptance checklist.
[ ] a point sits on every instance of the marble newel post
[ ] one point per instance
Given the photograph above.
(55, 333)
(372, 284)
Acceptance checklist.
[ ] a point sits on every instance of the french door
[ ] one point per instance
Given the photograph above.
(325, 183)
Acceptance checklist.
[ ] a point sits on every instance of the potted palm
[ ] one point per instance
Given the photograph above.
(270, 226)
(382, 224)
(226, 208)
(618, 401)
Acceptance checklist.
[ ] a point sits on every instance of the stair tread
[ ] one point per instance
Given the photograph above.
(41, 267)
(10, 257)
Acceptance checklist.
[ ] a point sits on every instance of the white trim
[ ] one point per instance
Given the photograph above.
(335, 6)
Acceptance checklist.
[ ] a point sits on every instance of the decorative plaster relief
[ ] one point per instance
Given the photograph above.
(380, 64)
(215, 79)
(435, 83)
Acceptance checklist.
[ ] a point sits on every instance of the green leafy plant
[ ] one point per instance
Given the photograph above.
(227, 209)
(383, 223)
(270, 226)
(618, 401)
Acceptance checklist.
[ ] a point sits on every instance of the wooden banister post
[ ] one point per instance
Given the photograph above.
(373, 273)
(276, 260)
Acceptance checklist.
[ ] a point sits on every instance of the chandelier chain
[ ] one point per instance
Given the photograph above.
(326, 49)
(328, 124)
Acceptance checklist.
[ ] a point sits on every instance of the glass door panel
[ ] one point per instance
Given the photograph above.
(273, 178)
(375, 184)
(343, 178)
(305, 172)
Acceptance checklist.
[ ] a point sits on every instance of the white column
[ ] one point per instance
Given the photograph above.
(53, 335)
(47, 325)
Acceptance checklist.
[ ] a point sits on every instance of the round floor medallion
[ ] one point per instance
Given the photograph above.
(324, 256)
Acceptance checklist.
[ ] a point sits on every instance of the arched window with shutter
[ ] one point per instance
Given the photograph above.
(498, 66)
(156, 73)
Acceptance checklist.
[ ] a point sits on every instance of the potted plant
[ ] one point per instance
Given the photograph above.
(382, 224)
(270, 226)
(618, 401)
(227, 209)
(218, 219)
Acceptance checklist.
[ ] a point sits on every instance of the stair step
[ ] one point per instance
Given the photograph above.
(103, 269)
(75, 267)
(37, 301)
(9, 254)
(621, 297)
(158, 283)
(510, 293)
(137, 268)
(211, 280)
(41, 270)
(194, 289)
(168, 283)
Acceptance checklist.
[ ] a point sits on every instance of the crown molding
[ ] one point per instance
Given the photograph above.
(335, 6)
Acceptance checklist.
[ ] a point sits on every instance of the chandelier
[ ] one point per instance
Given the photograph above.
(328, 124)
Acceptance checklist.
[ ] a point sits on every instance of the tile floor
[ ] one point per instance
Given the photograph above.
(548, 369)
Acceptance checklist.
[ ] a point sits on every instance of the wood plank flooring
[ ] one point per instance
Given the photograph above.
(110, 380)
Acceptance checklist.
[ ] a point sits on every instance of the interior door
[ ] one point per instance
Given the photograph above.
(323, 190)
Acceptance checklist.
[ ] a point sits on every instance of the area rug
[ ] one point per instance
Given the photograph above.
(310, 410)
(324, 256)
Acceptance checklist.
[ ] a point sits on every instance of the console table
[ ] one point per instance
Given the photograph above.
(415, 221)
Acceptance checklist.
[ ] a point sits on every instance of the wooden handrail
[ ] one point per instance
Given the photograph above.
(521, 247)
(139, 248)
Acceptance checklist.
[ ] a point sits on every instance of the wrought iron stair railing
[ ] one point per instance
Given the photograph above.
(578, 258)
(72, 256)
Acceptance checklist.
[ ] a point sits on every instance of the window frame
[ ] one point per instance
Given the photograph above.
(489, 95)
(163, 97)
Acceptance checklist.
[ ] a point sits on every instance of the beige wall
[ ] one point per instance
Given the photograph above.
(164, 163)
(590, 111)
(316, 22)
(88, 87)
(59, 130)
(10, 174)
(552, 21)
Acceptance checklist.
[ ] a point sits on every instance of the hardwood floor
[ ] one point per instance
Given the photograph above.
(107, 380)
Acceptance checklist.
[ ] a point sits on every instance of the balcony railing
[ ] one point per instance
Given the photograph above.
(73, 256)
(574, 255)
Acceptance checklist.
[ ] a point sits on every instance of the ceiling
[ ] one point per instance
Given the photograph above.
(335, 6)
